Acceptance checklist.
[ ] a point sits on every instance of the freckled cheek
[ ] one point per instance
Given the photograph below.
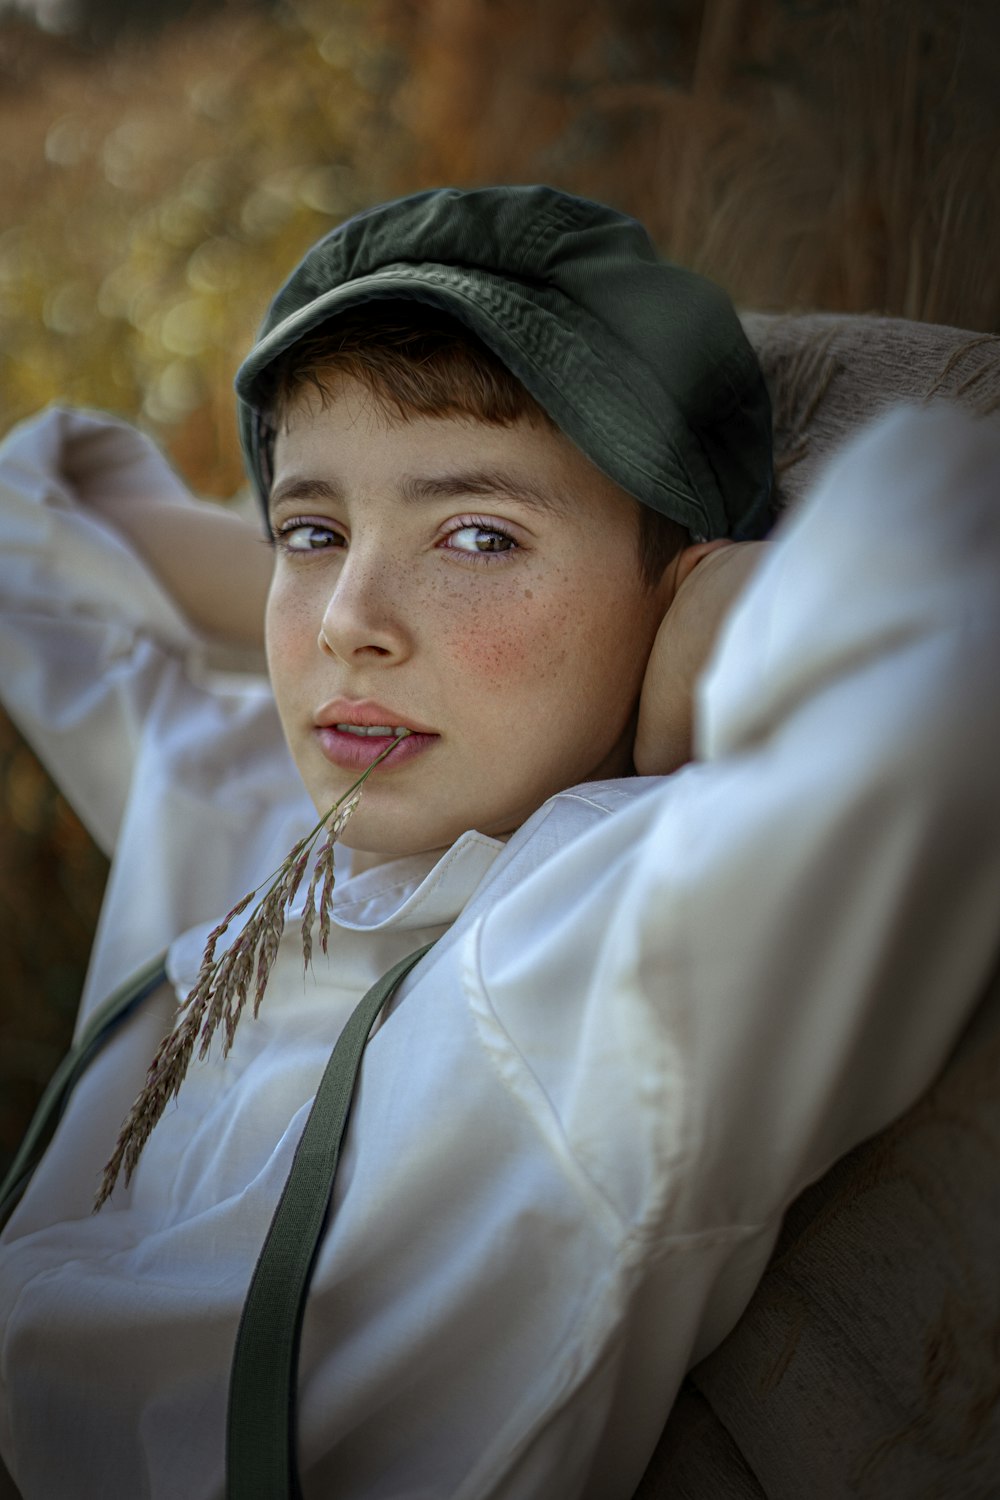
(504, 645)
(290, 632)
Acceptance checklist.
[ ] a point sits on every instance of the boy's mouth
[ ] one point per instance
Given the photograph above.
(373, 730)
(365, 716)
(353, 747)
(352, 734)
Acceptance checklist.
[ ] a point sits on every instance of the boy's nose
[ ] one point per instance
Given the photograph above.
(362, 615)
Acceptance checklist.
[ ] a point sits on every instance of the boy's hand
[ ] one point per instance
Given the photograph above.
(711, 576)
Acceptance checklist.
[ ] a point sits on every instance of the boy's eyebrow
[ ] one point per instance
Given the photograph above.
(415, 487)
(488, 481)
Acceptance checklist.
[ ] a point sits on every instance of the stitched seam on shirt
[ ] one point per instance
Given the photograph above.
(587, 801)
(555, 1137)
(667, 1243)
(621, 799)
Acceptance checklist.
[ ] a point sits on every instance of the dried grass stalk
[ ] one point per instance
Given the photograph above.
(222, 987)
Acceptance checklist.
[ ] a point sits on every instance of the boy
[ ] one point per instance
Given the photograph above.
(656, 1007)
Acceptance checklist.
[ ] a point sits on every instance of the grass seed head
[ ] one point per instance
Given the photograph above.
(220, 991)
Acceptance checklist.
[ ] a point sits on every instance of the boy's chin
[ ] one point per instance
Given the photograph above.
(376, 833)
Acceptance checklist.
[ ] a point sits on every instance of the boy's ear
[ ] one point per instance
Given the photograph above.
(688, 559)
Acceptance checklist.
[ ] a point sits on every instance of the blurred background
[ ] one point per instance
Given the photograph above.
(163, 166)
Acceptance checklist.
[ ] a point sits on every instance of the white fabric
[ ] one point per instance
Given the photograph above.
(652, 1017)
(179, 770)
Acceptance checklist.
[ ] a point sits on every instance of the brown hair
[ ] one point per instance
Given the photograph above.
(418, 360)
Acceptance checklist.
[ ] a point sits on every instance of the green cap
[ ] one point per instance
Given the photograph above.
(643, 365)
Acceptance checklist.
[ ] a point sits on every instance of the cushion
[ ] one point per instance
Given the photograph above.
(829, 374)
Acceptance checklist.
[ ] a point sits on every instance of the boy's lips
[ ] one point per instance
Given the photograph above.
(344, 728)
(365, 713)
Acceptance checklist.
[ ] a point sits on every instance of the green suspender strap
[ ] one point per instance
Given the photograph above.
(98, 1030)
(261, 1461)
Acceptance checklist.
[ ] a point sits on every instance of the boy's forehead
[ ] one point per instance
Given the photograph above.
(642, 364)
(327, 450)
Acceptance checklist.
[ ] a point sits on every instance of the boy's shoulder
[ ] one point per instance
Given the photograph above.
(581, 806)
(568, 817)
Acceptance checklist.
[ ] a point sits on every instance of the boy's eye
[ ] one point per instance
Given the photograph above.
(307, 536)
(481, 538)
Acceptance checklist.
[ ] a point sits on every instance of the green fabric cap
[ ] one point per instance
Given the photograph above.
(643, 364)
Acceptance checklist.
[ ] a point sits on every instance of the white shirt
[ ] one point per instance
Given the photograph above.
(652, 1017)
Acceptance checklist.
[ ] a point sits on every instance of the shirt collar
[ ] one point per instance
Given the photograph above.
(419, 890)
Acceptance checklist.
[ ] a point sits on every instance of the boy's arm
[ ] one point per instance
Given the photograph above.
(835, 907)
(117, 693)
(215, 566)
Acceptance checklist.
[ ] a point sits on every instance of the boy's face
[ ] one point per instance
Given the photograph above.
(478, 584)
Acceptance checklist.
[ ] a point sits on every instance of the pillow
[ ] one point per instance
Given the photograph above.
(830, 373)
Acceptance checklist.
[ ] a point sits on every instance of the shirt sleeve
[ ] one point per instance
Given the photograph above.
(169, 750)
(82, 619)
(769, 957)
